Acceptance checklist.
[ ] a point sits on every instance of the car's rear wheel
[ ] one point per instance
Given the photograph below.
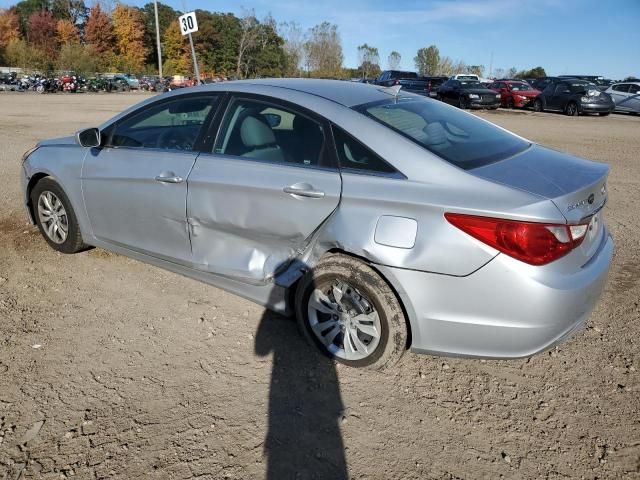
(571, 109)
(55, 217)
(537, 106)
(347, 310)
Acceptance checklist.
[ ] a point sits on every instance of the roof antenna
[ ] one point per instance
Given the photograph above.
(395, 90)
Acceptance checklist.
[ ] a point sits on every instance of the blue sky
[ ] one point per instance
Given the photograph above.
(597, 37)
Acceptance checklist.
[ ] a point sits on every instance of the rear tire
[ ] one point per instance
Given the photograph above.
(351, 299)
(604, 114)
(55, 217)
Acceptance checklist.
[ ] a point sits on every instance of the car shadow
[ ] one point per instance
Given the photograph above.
(303, 440)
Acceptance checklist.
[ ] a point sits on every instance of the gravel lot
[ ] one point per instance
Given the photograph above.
(110, 368)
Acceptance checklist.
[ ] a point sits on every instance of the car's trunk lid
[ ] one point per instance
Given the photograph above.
(577, 187)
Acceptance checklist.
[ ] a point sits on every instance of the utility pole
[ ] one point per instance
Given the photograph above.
(155, 8)
(491, 65)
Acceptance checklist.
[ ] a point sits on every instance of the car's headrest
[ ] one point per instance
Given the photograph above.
(255, 133)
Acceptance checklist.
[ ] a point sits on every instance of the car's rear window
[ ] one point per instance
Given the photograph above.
(455, 136)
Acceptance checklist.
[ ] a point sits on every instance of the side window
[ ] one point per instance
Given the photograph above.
(172, 125)
(561, 88)
(261, 131)
(354, 155)
(634, 89)
(623, 87)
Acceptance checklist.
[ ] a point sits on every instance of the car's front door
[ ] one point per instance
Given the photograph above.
(557, 99)
(254, 202)
(135, 188)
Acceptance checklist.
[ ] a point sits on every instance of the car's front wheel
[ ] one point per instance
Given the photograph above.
(463, 103)
(537, 105)
(55, 217)
(571, 109)
(350, 313)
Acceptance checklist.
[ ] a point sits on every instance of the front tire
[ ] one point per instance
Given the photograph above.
(463, 103)
(571, 109)
(604, 114)
(55, 217)
(348, 311)
(537, 106)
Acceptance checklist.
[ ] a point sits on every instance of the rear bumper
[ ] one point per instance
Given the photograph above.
(506, 309)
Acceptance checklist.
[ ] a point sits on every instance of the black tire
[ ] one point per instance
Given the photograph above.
(604, 114)
(73, 242)
(537, 105)
(572, 109)
(463, 103)
(371, 286)
(510, 103)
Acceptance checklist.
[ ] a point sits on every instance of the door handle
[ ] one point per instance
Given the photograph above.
(304, 190)
(168, 178)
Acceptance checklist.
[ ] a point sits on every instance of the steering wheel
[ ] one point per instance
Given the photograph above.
(174, 139)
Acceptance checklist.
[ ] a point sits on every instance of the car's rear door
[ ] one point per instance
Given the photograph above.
(135, 188)
(266, 186)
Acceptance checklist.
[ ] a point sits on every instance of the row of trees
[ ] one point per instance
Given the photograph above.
(66, 35)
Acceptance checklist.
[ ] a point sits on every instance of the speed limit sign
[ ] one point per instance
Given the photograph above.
(188, 23)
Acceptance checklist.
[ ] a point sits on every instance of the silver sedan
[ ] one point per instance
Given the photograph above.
(383, 220)
(626, 96)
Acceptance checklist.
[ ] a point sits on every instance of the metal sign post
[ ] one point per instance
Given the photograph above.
(155, 8)
(188, 25)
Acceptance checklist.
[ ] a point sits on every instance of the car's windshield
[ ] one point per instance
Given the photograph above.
(469, 84)
(577, 87)
(518, 87)
(457, 137)
(467, 77)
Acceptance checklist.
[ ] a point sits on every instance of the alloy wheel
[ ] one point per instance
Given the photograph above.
(344, 321)
(53, 217)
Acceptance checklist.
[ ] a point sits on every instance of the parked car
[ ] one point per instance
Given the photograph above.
(514, 94)
(421, 226)
(573, 97)
(432, 85)
(468, 94)
(601, 82)
(466, 76)
(541, 83)
(409, 81)
(626, 96)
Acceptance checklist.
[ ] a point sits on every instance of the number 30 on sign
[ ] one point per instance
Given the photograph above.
(188, 23)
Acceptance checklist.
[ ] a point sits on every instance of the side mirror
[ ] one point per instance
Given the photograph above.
(89, 137)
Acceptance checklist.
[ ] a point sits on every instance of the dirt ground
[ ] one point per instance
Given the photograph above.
(110, 368)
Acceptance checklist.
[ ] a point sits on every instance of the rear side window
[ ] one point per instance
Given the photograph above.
(633, 88)
(455, 136)
(353, 155)
(624, 87)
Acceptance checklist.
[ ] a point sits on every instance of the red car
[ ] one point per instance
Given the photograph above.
(515, 94)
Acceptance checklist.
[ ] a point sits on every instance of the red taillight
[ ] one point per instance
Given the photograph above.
(530, 242)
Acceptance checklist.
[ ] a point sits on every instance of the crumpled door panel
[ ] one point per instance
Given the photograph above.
(243, 225)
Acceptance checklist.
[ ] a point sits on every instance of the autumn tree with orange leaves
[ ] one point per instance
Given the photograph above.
(67, 32)
(98, 34)
(128, 27)
(176, 54)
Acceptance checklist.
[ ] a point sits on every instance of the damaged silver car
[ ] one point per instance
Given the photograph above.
(383, 220)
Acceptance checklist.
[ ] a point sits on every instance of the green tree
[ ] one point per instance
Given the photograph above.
(177, 60)
(533, 73)
(20, 54)
(427, 60)
(216, 42)
(77, 58)
(166, 16)
(393, 60)
(323, 51)
(369, 60)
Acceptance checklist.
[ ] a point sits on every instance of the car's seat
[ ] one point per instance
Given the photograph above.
(307, 141)
(258, 138)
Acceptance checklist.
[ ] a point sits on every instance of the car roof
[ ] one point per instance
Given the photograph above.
(348, 94)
